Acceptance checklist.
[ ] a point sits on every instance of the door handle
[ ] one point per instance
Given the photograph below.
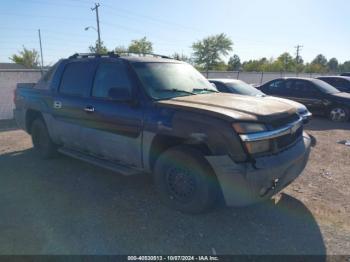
(89, 109)
(57, 104)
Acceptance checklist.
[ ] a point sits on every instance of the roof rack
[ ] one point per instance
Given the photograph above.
(113, 54)
(87, 55)
(143, 54)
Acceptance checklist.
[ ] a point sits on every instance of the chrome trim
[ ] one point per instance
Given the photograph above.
(307, 115)
(285, 130)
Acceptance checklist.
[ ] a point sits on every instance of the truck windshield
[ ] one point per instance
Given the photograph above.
(169, 80)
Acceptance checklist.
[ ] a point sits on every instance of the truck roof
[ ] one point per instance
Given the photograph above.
(132, 57)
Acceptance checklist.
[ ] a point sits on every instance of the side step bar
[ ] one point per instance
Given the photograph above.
(118, 168)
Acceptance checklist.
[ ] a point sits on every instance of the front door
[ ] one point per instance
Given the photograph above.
(114, 126)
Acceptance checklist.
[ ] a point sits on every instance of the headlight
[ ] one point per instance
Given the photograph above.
(246, 128)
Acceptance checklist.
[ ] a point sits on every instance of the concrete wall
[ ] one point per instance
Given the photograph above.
(8, 81)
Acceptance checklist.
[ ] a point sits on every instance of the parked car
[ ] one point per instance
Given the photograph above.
(345, 74)
(342, 83)
(157, 115)
(318, 96)
(235, 86)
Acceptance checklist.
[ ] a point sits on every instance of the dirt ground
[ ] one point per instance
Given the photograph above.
(65, 206)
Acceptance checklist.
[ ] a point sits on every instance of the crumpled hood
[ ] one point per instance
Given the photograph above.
(237, 107)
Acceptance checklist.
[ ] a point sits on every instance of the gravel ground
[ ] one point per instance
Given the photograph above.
(65, 206)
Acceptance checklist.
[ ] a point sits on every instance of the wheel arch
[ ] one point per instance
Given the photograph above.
(31, 115)
(161, 143)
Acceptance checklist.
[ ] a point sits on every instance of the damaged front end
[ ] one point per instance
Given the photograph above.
(277, 155)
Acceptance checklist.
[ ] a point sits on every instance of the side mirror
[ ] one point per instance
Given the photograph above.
(120, 94)
(213, 85)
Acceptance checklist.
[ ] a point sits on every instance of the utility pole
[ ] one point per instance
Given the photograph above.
(97, 5)
(41, 52)
(298, 48)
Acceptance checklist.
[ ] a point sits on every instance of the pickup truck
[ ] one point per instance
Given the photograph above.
(160, 116)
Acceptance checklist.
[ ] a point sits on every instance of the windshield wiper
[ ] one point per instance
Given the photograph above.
(205, 89)
(175, 90)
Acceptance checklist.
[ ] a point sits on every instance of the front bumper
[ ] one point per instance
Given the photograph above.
(244, 184)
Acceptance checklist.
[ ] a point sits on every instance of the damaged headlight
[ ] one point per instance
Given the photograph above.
(253, 147)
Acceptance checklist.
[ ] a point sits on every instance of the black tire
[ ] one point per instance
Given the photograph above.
(185, 181)
(42, 142)
(338, 114)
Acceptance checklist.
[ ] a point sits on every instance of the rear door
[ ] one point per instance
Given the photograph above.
(114, 127)
(70, 100)
(305, 92)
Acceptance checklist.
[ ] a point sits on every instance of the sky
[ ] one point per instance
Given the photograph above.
(257, 28)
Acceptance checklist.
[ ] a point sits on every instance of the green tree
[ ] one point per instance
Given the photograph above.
(262, 64)
(234, 63)
(141, 46)
(286, 61)
(318, 65)
(121, 49)
(28, 58)
(98, 49)
(207, 53)
(345, 67)
(320, 59)
(332, 65)
(182, 57)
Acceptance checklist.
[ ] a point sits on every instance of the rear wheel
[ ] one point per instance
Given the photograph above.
(185, 181)
(339, 114)
(42, 142)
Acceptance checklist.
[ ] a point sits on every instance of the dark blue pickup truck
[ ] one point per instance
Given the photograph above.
(157, 115)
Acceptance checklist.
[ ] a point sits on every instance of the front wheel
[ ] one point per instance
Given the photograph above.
(339, 114)
(185, 181)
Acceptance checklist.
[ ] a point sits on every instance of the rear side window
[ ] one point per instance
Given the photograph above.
(45, 80)
(77, 78)
(110, 75)
(276, 85)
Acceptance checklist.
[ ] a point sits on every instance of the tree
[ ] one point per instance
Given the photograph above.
(318, 65)
(345, 67)
(121, 49)
(333, 65)
(98, 49)
(141, 46)
(287, 62)
(28, 58)
(182, 57)
(208, 51)
(234, 63)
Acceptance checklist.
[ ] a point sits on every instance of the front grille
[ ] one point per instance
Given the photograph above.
(287, 140)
